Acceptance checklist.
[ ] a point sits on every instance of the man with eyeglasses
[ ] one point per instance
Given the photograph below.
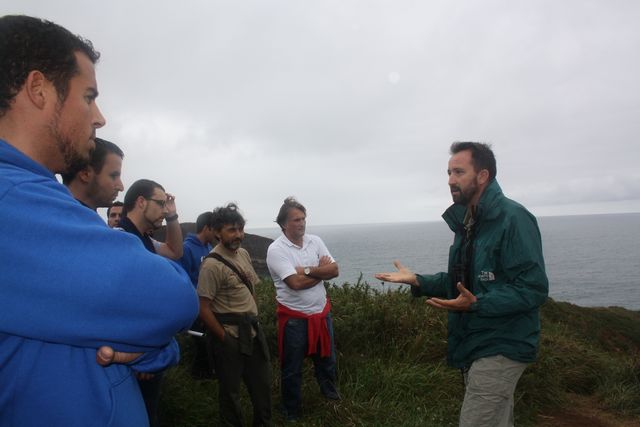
(146, 206)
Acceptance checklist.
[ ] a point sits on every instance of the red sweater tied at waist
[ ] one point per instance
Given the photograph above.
(317, 330)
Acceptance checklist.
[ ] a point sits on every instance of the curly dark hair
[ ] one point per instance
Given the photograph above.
(226, 215)
(28, 44)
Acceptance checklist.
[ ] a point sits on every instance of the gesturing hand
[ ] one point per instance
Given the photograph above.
(461, 303)
(403, 275)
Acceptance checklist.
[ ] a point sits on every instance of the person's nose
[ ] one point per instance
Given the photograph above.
(119, 185)
(98, 120)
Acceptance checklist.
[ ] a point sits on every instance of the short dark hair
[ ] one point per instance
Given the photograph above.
(142, 187)
(289, 203)
(226, 215)
(203, 221)
(116, 203)
(28, 44)
(98, 156)
(481, 155)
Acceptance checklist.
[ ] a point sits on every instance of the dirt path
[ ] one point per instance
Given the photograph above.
(584, 411)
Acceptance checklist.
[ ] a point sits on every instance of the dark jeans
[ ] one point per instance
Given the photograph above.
(150, 390)
(294, 351)
(233, 367)
(202, 367)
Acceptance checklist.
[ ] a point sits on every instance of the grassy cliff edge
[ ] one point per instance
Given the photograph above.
(392, 368)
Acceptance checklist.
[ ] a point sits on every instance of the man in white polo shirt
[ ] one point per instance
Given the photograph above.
(299, 264)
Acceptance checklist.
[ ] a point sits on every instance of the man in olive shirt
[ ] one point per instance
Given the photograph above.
(229, 312)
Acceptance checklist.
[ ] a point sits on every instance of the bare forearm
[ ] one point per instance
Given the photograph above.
(325, 272)
(299, 282)
(173, 239)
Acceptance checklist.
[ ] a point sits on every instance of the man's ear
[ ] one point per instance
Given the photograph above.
(483, 177)
(140, 202)
(39, 89)
(86, 175)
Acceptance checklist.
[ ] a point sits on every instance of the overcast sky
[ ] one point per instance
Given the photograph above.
(351, 105)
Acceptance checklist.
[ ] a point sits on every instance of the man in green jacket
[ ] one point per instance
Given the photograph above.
(493, 288)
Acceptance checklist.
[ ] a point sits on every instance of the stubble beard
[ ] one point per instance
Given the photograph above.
(153, 225)
(72, 159)
(99, 197)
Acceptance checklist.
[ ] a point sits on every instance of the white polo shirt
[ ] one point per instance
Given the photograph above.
(283, 257)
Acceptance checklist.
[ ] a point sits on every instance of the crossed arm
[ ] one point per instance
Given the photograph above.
(325, 270)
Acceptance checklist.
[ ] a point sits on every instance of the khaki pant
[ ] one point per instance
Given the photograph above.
(489, 387)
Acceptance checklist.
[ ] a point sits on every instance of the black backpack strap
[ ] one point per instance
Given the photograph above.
(233, 268)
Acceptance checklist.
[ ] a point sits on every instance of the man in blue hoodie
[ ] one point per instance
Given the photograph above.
(67, 304)
(195, 248)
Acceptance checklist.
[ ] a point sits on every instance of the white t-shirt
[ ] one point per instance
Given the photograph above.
(282, 259)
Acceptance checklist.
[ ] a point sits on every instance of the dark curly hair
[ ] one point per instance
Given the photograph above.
(226, 215)
(28, 44)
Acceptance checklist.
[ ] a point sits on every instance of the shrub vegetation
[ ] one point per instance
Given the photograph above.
(392, 365)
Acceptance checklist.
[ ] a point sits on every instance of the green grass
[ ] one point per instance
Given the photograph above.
(392, 371)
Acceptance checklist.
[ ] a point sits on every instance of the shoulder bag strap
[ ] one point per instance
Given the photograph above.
(233, 268)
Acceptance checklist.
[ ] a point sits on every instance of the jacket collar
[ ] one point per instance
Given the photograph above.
(454, 216)
(289, 243)
(127, 225)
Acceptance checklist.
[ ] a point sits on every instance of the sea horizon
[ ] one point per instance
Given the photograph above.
(591, 259)
(250, 229)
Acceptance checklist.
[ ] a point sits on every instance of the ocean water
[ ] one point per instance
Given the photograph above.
(591, 260)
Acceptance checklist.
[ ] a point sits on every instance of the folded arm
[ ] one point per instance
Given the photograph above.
(80, 283)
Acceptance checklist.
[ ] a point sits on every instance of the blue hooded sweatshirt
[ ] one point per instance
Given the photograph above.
(193, 253)
(70, 284)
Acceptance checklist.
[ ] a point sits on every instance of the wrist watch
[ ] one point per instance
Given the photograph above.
(307, 271)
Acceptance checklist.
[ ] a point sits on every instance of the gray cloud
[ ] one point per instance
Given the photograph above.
(351, 106)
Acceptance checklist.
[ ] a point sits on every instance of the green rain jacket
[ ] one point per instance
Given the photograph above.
(507, 275)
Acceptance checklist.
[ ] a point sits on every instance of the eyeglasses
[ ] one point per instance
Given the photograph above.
(161, 203)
